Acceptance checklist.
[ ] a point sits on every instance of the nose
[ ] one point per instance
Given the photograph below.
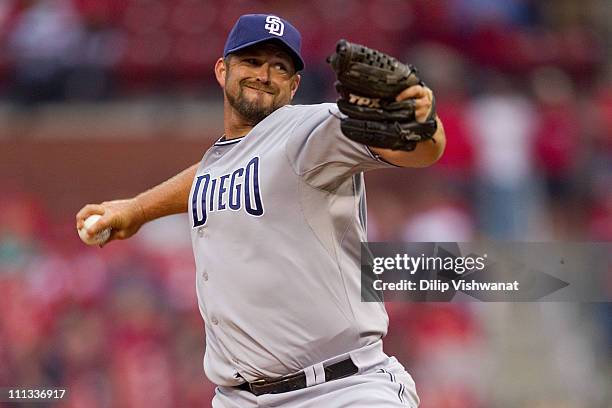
(263, 73)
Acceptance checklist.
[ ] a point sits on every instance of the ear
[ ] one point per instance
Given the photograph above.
(220, 72)
(295, 84)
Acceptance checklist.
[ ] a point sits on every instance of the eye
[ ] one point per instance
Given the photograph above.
(280, 67)
(250, 61)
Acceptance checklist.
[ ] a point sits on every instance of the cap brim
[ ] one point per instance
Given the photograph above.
(295, 56)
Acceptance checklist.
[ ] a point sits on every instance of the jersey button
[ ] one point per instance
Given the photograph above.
(201, 232)
(214, 321)
(205, 276)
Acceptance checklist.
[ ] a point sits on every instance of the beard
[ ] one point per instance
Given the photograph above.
(253, 111)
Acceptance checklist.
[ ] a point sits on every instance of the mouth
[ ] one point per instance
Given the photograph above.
(259, 89)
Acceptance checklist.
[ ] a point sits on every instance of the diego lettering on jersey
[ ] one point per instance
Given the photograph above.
(232, 191)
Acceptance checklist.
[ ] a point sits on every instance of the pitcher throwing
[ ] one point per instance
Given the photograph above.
(277, 211)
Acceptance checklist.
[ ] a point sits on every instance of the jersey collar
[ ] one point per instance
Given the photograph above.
(223, 142)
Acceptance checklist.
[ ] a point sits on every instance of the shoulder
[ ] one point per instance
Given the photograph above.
(311, 107)
(323, 109)
(310, 116)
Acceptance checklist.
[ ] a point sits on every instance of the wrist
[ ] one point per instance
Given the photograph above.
(140, 209)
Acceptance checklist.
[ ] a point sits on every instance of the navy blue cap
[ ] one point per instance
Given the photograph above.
(251, 29)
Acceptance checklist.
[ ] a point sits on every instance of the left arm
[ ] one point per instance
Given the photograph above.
(427, 152)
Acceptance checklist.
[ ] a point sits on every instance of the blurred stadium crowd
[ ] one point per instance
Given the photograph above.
(524, 88)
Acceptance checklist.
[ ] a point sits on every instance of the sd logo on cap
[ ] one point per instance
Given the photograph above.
(251, 29)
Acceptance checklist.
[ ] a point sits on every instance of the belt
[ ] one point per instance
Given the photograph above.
(297, 381)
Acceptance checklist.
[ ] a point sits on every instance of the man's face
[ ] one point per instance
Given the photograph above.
(259, 80)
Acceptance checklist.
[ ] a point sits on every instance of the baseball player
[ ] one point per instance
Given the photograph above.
(277, 213)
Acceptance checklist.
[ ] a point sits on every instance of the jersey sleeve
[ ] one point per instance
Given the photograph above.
(321, 154)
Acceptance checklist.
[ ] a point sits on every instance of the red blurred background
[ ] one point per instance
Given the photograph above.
(101, 99)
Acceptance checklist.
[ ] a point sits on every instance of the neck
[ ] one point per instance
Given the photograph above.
(234, 125)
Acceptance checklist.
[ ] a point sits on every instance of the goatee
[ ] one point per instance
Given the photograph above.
(251, 111)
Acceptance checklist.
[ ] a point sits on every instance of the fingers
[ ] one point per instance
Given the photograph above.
(421, 110)
(117, 215)
(414, 92)
(422, 97)
(115, 234)
(103, 223)
(89, 209)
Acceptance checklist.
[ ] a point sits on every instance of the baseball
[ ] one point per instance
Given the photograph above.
(97, 239)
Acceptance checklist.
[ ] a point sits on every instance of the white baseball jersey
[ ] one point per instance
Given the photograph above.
(277, 218)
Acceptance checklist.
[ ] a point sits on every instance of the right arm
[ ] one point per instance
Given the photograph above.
(125, 217)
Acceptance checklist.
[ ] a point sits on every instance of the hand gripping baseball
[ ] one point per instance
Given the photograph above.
(123, 217)
(368, 83)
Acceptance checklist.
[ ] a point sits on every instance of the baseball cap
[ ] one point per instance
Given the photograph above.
(251, 29)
